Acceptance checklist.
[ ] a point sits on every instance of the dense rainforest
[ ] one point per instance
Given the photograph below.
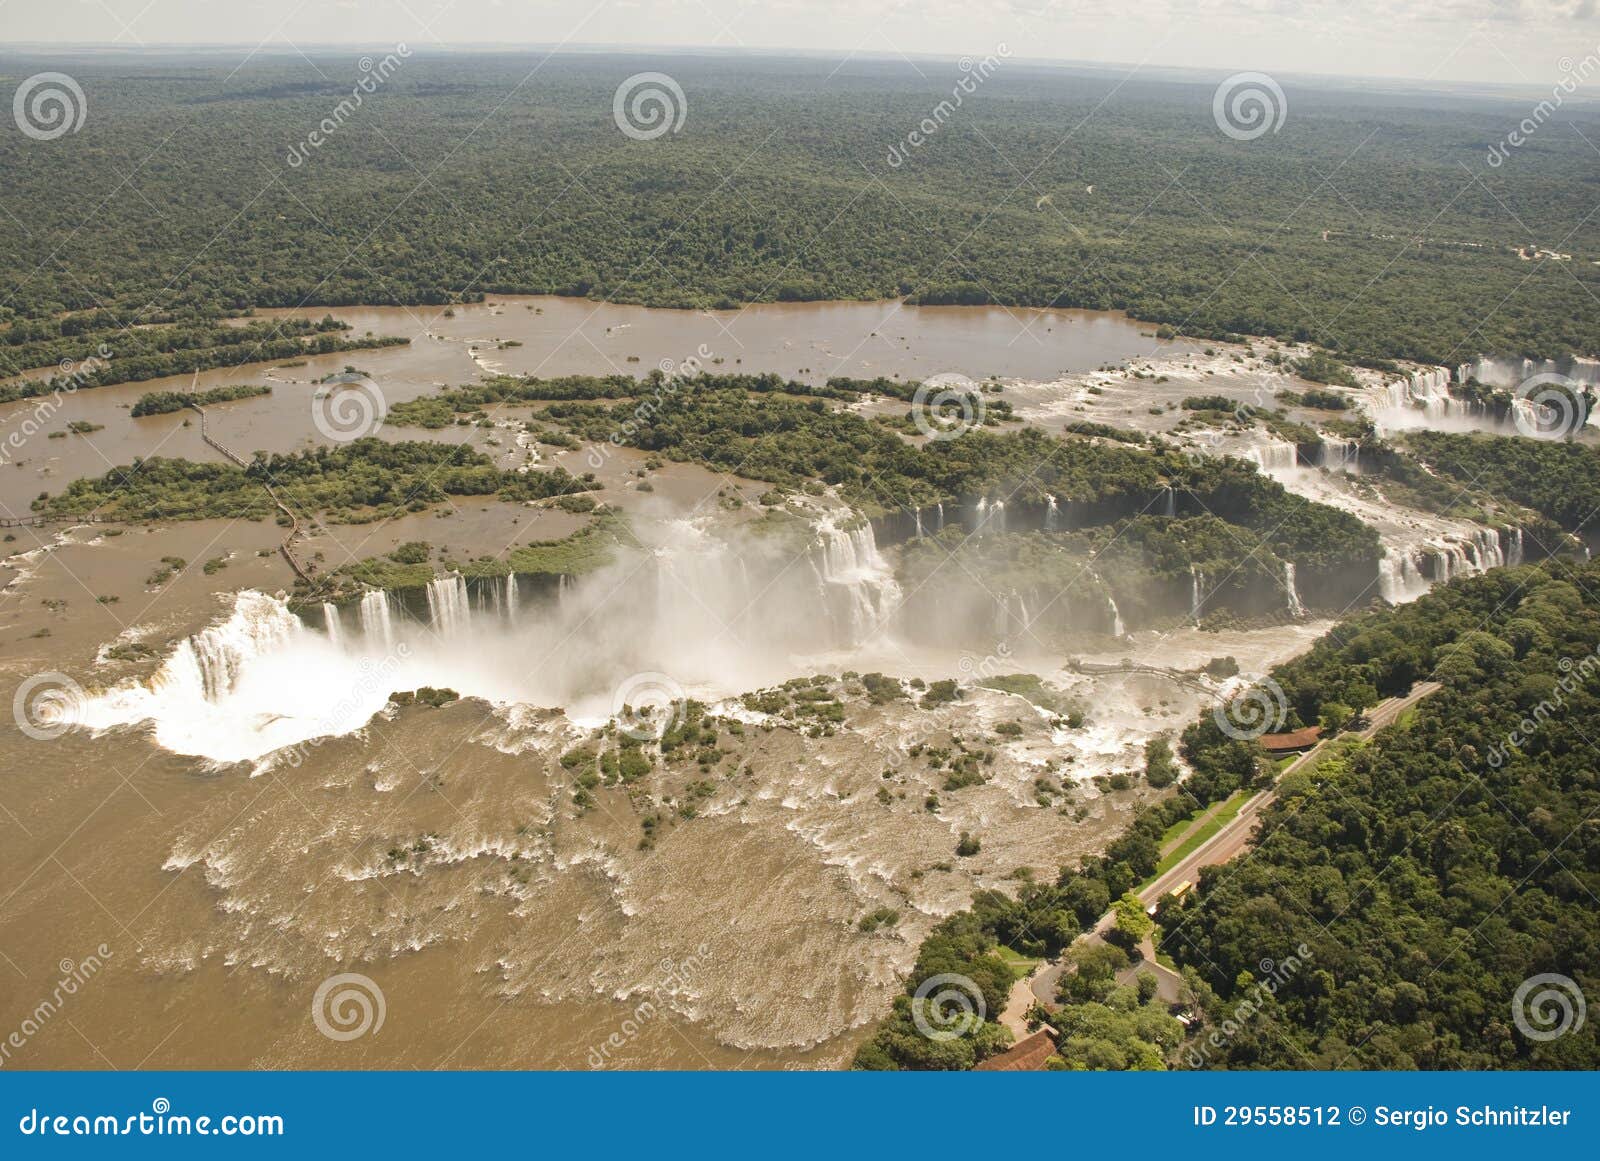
(1417, 880)
(366, 479)
(1369, 224)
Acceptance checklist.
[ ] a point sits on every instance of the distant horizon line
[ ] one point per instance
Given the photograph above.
(44, 47)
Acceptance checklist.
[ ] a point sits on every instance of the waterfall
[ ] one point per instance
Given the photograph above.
(330, 619)
(1118, 629)
(1011, 610)
(1296, 606)
(1275, 455)
(917, 515)
(851, 566)
(1400, 578)
(509, 599)
(1195, 598)
(1171, 508)
(447, 603)
(1341, 455)
(1515, 555)
(1051, 514)
(940, 507)
(377, 623)
(206, 666)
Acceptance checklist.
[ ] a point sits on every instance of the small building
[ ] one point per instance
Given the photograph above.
(1293, 742)
(1026, 1055)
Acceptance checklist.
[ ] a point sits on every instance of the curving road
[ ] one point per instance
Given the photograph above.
(1219, 848)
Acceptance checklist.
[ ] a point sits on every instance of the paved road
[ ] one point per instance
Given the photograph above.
(1219, 848)
(1236, 835)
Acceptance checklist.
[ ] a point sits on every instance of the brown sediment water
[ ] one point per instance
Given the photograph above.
(559, 336)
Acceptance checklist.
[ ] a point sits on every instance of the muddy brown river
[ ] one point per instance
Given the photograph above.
(412, 886)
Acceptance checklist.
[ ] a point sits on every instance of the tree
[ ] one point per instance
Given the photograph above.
(1132, 919)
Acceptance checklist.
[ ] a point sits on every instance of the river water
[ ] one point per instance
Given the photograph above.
(557, 336)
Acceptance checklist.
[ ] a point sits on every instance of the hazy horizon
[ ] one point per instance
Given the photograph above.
(1473, 42)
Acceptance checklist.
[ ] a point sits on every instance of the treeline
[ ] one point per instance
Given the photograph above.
(166, 402)
(1557, 479)
(688, 224)
(1435, 870)
(366, 479)
(137, 354)
(1400, 891)
(793, 442)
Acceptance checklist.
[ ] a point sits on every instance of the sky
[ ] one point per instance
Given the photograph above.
(1529, 42)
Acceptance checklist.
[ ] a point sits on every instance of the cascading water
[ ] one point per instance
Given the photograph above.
(1400, 578)
(1275, 455)
(847, 562)
(1171, 507)
(240, 689)
(377, 620)
(447, 604)
(1052, 514)
(1340, 455)
(1514, 555)
(1195, 596)
(330, 618)
(1296, 606)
